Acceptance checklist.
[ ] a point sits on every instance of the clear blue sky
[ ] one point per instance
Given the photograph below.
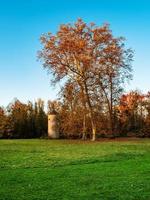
(23, 21)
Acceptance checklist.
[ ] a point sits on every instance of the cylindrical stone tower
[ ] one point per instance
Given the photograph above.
(53, 127)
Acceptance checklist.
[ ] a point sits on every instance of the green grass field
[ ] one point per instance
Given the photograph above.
(65, 170)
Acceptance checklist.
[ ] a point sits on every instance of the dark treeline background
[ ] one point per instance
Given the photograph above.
(131, 117)
(20, 120)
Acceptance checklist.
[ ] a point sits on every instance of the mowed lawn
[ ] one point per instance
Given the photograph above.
(70, 169)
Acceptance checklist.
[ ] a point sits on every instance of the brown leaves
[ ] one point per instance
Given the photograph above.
(89, 56)
(79, 47)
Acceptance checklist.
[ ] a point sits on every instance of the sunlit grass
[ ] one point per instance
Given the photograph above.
(63, 169)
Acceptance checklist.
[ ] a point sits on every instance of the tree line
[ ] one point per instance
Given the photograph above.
(20, 120)
(131, 117)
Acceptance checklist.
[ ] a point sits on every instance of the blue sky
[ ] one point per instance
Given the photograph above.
(23, 21)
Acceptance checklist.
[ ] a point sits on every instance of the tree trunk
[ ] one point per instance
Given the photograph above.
(93, 129)
(109, 102)
(90, 113)
(84, 137)
(84, 128)
(111, 108)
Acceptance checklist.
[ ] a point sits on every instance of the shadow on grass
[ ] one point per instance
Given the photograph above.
(58, 163)
(118, 157)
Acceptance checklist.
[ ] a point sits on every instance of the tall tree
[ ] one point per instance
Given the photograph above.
(87, 55)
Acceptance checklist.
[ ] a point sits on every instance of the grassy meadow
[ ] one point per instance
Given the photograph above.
(72, 169)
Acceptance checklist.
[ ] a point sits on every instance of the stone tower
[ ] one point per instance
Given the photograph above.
(53, 126)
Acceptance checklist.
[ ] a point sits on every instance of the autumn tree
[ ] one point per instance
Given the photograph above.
(132, 110)
(17, 112)
(89, 56)
(2, 121)
(6, 126)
